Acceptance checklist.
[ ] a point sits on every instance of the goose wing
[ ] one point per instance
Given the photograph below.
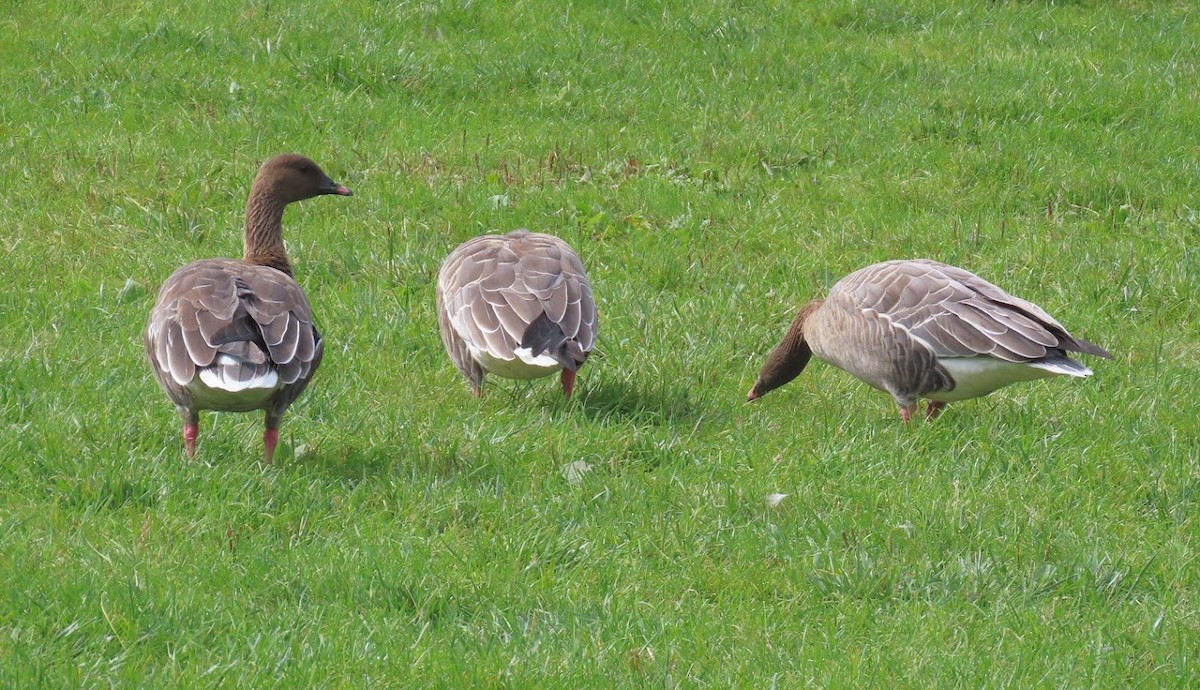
(952, 312)
(238, 325)
(517, 296)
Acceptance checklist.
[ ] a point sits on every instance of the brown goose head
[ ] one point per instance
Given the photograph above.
(788, 358)
(281, 180)
(291, 177)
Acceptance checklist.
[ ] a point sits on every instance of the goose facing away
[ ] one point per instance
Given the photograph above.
(923, 329)
(517, 306)
(237, 336)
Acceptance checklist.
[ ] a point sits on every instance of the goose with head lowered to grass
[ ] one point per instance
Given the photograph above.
(238, 335)
(518, 306)
(924, 329)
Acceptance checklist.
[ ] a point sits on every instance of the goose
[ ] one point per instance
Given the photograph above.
(518, 306)
(924, 329)
(237, 336)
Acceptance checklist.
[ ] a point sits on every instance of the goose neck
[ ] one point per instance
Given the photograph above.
(263, 243)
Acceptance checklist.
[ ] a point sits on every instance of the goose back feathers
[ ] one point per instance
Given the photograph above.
(518, 306)
(234, 335)
(924, 329)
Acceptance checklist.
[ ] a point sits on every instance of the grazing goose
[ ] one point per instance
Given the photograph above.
(516, 305)
(923, 329)
(234, 335)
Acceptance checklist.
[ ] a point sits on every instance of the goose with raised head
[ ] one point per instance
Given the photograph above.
(924, 329)
(518, 306)
(238, 335)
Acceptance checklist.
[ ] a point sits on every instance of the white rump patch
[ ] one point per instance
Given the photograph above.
(1066, 367)
(214, 389)
(215, 377)
(978, 376)
(524, 366)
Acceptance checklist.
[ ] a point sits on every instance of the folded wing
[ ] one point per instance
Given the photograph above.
(237, 326)
(521, 296)
(954, 313)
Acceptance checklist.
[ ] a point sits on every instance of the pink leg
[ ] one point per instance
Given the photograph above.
(270, 440)
(190, 432)
(933, 409)
(906, 413)
(568, 382)
(477, 391)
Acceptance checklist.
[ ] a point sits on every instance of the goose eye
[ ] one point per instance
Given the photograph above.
(306, 169)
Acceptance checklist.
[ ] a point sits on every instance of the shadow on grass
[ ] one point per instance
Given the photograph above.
(345, 462)
(431, 459)
(631, 402)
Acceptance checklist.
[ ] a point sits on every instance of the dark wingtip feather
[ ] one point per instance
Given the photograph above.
(544, 335)
(1087, 347)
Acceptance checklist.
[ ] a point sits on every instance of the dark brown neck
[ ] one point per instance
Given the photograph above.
(789, 357)
(263, 243)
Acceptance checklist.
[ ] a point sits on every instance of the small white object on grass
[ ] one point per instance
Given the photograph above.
(775, 499)
(574, 471)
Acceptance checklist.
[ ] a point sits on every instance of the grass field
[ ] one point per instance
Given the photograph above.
(716, 164)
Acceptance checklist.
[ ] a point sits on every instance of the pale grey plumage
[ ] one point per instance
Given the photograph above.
(257, 316)
(920, 328)
(517, 305)
(234, 335)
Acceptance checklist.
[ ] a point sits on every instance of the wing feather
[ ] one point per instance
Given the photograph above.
(237, 321)
(954, 312)
(493, 289)
(199, 349)
(180, 365)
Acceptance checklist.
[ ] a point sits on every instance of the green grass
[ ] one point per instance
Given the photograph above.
(716, 164)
